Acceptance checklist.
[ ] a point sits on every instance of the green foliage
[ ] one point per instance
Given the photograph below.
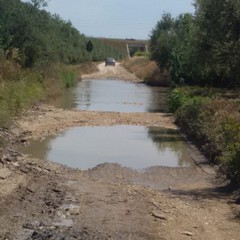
(162, 40)
(39, 3)
(218, 40)
(230, 145)
(23, 89)
(68, 77)
(89, 46)
(213, 123)
(176, 99)
(190, 116)
(202, 49)
(42, 38)
(180, 96)
(101, 51)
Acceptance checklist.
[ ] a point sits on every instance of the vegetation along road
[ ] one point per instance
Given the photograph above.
(44, 58)
(44, 200)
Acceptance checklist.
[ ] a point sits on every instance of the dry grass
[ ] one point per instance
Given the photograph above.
(147, 70)
(84, 68)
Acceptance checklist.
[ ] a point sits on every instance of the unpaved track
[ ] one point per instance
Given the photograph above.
(111, 72)
(43, 200)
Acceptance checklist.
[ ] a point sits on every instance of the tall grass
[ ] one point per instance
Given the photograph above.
(17, 93)
(68, 78)
(21, 88)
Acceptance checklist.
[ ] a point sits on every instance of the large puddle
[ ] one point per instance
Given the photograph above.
(130, 146)
(114, 96)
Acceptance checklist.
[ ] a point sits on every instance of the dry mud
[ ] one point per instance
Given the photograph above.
(43, 200)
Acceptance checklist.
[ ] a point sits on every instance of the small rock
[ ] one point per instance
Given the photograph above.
(158, 215)
(23, 141)
(24, 169)
(187, 233)
(28, 226)
(30, 190)
(7, 157)
(14, 153)
(4, 173)
(74, 211)
(56, 190)
(15, 164)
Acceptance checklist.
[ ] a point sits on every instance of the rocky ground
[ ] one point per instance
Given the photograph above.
(43, 200)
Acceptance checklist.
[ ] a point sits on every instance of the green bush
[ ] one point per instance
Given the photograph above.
(176, 99)
(230, 144)
(190, 116)
(68, 78)
(213, 124)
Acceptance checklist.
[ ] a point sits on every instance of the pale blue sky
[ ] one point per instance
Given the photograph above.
(117, 18)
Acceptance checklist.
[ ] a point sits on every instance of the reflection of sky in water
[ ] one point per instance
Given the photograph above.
(131, 146)
(114, 95)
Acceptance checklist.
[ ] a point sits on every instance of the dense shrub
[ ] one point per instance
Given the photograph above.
(213, 123)
(230, 146)
(176, 99)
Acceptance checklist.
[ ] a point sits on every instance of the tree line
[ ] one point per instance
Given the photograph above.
(201, 48)
(32, 36)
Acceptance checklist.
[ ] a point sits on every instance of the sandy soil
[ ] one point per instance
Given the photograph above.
(43, 200)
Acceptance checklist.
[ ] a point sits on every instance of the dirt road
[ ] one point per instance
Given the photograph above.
(43, 200)
(111, 72)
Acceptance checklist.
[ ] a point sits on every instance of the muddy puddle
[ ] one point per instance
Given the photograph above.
(114, 96)
(134, 147)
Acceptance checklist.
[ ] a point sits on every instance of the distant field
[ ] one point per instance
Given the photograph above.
(120, 44)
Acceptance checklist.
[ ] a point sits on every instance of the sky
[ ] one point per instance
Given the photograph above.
(117, 18)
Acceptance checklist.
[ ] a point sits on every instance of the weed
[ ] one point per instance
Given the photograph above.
(68, 77)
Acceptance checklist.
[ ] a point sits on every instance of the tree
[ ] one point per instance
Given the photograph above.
(202, 49)
(172, 46)
(40, 37)
(89, 46)
(39, 3)
(162, 40)
(218, 40)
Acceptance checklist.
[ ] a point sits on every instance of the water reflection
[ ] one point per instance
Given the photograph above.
(114, 95)
(170, 140)
(131, 146)
(157, 101)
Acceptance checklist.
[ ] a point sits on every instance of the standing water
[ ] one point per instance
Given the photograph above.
(114, 96)
(131, 146)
